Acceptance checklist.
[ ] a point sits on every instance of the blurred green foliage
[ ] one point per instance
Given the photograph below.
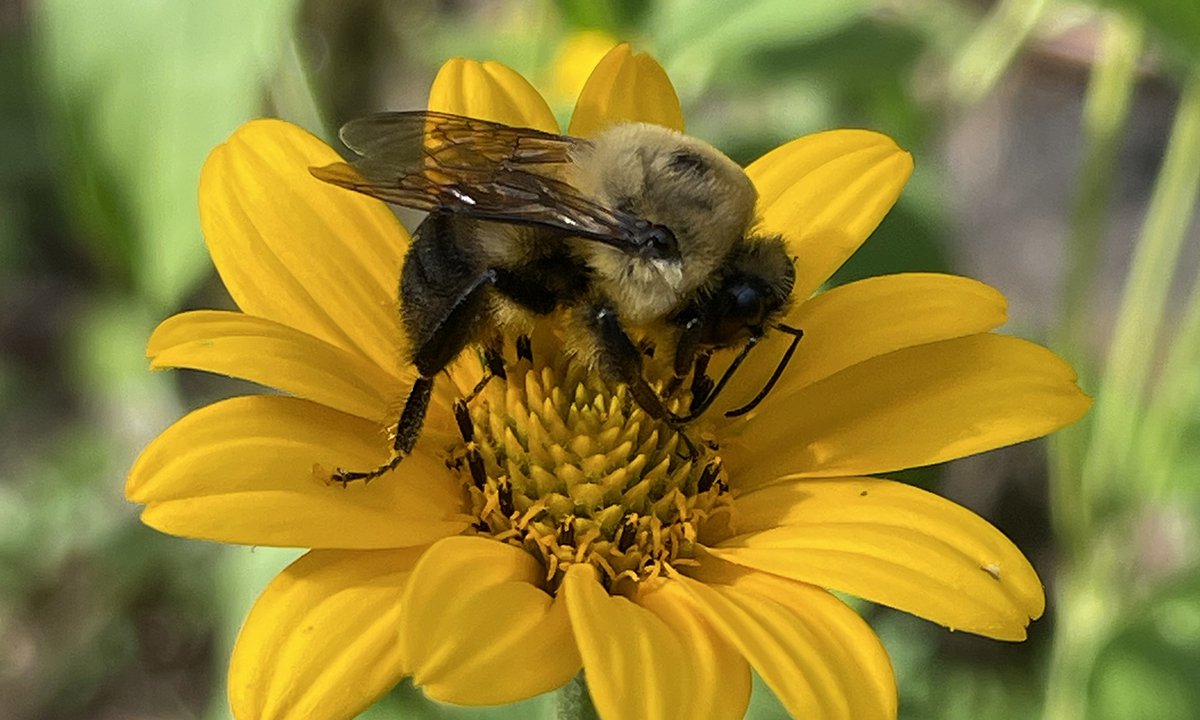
(1148, 668)
(142, 91)
(109, 109)
(1175, 24)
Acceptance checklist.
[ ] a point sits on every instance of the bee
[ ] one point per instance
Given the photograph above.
(639, 228)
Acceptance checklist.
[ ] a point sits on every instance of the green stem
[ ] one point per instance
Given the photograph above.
(292, 93)
(1091, 596)
(1105, 111)
(1175, 400)
(1119, 411)
(575, 702)
(990, 51)
(1086, 610)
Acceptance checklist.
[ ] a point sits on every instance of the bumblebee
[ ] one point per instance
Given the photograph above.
(639, 227)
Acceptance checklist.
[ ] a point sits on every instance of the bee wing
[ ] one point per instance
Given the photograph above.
(440, 162)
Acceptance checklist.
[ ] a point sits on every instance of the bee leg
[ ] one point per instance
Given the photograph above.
(407, 431)
(493, 367)
(452, 332)
(524, 348)
(689, 357)
(621, 361)
(688, 345)
(466, 428)
(702, 384)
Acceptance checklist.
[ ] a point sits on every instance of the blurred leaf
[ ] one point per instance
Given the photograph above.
(693, 37)
(1175, 22)
(763, 703)
(1151, 669)
(143, 91)
(613, 16)
(407, 701)
(907, 240)
(241, 575)
(992, 47)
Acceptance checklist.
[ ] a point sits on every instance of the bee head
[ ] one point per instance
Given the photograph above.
(753, 289)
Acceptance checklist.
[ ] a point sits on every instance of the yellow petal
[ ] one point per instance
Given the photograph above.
(480, 630)
(241, 471)
(818, 657)
(862, 320)
(892, 544)
(825, 193)
(322, 639)
(639, 664)
(916, 406)
(489, 91)
(298, 251)
(626, 87)
(718, 675)
(277, 356)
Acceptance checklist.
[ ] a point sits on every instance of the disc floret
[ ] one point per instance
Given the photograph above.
(573, 470)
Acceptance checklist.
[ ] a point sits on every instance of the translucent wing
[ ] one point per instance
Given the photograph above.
(440, 162)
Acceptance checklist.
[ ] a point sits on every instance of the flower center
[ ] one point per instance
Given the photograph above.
(575, 471)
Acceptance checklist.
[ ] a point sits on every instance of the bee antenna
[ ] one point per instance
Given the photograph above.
(796, 334)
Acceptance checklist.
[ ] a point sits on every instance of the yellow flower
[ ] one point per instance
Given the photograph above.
(593, 544)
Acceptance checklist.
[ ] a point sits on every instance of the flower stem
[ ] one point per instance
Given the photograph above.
(1106, 109)
(575, 702)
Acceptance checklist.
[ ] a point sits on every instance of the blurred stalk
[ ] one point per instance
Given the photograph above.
(1174, 403)
(1106, 108)
(1087, 605)
(991, 49)
(292, 93)
(1108, 473)
(1091, 596)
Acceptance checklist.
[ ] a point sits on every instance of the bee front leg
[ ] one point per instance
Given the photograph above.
(690, 357)
(621, 361)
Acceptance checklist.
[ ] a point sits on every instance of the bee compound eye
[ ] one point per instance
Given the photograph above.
(746, 303)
